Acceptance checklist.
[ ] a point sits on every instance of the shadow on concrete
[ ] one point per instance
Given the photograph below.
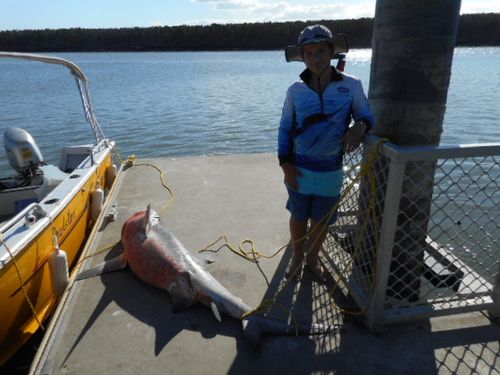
(468, 350)
(308, 302)
(406, 349)
(152, 306)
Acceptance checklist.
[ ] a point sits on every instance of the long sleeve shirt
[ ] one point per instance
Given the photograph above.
(313, 125)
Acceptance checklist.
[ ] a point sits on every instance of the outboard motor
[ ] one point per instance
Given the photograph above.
(22, 151)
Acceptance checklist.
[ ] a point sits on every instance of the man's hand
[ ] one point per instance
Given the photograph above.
(291, 173)
(354, 136)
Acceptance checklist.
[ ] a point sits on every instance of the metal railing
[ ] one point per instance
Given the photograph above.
(420, 237)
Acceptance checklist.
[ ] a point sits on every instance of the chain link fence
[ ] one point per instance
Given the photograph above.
(418, 231)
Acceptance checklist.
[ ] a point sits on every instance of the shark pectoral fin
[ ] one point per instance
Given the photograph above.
(215, 311)
(182, 293)
(180, 301)
(114, 264)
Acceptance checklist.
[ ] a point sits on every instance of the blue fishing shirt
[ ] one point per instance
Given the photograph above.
(312, 128)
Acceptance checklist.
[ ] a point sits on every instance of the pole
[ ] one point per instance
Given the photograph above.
(412, 53)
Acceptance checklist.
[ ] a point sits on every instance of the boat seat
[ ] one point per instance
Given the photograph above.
(72, 156)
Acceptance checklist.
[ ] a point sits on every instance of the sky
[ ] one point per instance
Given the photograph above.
(54, 14)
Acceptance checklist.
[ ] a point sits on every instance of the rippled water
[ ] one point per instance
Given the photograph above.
(197, 103)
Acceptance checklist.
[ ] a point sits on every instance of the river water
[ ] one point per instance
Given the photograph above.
(202, 103)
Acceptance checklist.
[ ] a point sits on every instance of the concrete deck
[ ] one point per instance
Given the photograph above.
(115, 324)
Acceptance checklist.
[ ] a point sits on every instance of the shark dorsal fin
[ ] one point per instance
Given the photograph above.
(151, 218)
(215, 311)
(147, 218)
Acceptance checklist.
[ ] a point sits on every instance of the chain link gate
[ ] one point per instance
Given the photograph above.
(419, 236)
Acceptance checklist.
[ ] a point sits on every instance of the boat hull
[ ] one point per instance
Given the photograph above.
(29, 270)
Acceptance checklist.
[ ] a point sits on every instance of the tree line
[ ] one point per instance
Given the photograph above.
(474, 30)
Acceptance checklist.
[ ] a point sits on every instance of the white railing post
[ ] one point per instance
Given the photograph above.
(386, 243)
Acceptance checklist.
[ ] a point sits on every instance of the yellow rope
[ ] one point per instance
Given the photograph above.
(131, 162)
(20, 276)
(367, 170)
(97, 252)
(252, 254)
(116, 152)
(164, 184)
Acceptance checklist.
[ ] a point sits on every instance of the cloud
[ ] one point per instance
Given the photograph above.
(480, 6)
(259, 10)
(234, 11)
(231, 4)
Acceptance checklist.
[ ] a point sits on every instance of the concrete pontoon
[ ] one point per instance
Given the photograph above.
(115, 324)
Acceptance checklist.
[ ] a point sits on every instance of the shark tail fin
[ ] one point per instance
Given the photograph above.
(255, 326)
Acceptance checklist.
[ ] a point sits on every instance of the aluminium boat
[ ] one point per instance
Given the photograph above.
(46, 215)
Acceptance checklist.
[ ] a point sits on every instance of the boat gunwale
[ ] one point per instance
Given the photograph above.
(53, 211)
(58, 319)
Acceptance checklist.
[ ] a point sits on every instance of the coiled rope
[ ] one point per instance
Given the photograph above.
(247, 248)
